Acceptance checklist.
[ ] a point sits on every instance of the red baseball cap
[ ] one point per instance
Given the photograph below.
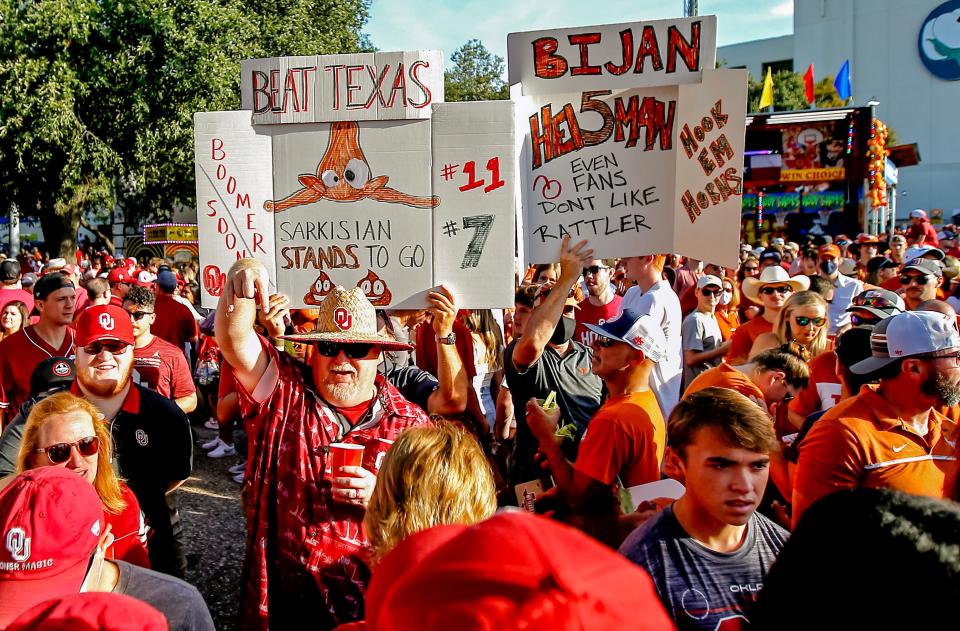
(514, 570)
(131, 261)
(119, 275)
(51, 520)
(104, 322)
(91, 611)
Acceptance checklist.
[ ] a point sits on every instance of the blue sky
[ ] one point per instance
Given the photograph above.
(446, 24)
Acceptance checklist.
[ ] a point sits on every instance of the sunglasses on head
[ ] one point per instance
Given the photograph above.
(594, 269)
(878, 302)
(782, 289)
(711, 292)
(920, 279)
(351, 350)
(114, 347)
(804, 321)
(60, 453)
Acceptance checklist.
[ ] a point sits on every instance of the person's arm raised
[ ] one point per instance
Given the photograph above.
(451, 396)
(539, 327)
(246, 285)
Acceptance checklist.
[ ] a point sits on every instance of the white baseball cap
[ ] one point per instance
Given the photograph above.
(908, 335)
(919, 213)
(917, 251)
(709, 279)
(639, 330)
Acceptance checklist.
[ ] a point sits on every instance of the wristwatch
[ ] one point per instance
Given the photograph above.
(450, 339)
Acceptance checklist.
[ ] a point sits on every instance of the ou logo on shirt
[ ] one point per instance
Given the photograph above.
(142, 438)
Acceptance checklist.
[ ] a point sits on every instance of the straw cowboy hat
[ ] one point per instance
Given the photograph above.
(347, 317)
(773, 275)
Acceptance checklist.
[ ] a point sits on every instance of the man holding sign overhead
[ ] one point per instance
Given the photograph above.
(305, 544)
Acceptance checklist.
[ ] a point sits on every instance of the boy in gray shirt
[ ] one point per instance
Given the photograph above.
(709, 551)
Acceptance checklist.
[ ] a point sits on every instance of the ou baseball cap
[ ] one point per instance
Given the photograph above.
(104, 322)
(51, 520)
(9, 270)
(925, 266)
(709, 279)
(639, 331)
(909, 334)
(512, 571)
(91, 611)
(879, 302)
(119, 275)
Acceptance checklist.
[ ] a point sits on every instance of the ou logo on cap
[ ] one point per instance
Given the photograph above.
(342, 318)
(106, 321)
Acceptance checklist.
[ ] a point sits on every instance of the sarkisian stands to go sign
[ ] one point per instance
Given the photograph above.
(630, 138)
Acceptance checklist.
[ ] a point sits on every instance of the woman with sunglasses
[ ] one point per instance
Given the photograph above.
(64, 430)
(801, 322)
(771, 290)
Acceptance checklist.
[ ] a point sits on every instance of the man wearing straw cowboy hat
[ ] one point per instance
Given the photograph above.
(304, 531)
(771, 290)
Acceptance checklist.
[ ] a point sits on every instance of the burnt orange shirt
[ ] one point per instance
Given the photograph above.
(626, 438)
(725, 376)
(743, 339)
(861, 443)
(728, 321)
(823, 390)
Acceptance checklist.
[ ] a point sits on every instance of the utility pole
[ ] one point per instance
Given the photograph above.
(690, 8)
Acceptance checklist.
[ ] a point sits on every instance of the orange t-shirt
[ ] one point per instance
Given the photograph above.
(729, 321)
(744, 338)
(725, 376)
(823, 390)
(861, 443)
(625, 438)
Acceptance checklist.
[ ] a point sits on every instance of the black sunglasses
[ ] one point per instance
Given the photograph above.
(782, 289)
(138, 315)
(351, 350)
(60, 453)
(115, 347)
(594, 269)
(921, 279)
(711, 292)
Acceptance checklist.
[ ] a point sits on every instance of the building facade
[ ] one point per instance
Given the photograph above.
(904, 54)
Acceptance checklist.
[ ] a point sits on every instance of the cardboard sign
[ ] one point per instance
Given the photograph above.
(326, 88)
(233, 182)
(614, 56)
(612, 168)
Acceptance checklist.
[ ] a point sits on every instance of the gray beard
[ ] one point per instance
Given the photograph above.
(342, 392)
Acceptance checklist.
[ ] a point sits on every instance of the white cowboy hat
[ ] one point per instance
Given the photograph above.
(773, 275)
(347, 317)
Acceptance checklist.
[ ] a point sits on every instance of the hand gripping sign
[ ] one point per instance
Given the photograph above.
(375, 183)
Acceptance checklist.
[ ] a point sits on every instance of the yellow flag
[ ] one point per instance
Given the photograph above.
(766, 97)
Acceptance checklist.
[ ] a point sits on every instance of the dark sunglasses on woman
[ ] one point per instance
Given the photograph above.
(60, 452)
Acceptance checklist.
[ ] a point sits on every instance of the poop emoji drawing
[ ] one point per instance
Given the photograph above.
(319, 290)
(375, 289)
(343, 175)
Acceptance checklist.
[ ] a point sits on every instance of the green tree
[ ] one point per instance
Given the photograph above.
(97, 96)
(476, 75)
(788, 92)
(825, 95)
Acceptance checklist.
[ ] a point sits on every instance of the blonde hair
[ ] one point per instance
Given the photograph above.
(430, 476)
(106, 482)
(797, 301)
(482, 322)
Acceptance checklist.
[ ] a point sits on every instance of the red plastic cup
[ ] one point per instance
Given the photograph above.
(345, 455)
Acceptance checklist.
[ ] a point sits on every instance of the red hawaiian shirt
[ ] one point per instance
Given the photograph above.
(305, 553)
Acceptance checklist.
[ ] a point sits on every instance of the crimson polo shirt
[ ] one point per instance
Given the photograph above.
(19, 355)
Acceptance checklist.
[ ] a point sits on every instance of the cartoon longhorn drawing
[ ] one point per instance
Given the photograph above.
(375, 289)
(319, 290)
(343, 175)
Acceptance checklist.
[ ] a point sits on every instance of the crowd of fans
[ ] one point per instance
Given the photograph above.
(652, 442)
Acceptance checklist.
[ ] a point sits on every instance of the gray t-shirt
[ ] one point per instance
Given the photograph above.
(700, 333)
(699, 587)
(177, 600)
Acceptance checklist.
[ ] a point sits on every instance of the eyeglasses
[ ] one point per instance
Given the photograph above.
(954, 355)
(873, 300)
(138, 315)
(114, 347)
(594, 269)
(351, 350)
(711, 292)
(921, 279)
(60, 453)
(857, 320)
(782, 289)
(804, 321)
